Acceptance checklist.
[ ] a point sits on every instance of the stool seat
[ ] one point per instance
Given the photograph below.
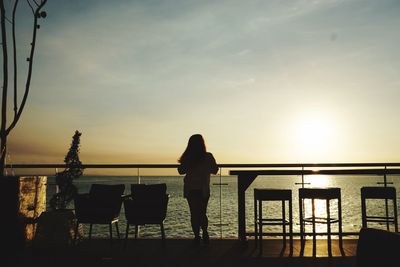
(272, 194)
(318, 193)
(375, 192)
(383, 193)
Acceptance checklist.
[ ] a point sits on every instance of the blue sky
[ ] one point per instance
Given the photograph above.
(263, 81)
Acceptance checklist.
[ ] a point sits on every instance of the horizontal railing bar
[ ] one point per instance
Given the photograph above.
(320, 172)
(310, 165)
(94, 166)
(160, 166)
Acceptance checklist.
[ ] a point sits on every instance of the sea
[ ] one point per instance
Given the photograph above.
(223, 204)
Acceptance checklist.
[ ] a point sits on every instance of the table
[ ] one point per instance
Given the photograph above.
(246, 178)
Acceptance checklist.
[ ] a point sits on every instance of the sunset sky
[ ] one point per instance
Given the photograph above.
(291, 81)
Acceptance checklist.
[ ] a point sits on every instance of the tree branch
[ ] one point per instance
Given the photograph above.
(29, 3)
(29, 76)
(15, 59)
(7, 19)
(5, 63)
(3, 132)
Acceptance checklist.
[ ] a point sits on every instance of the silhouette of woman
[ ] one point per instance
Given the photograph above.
(197, 164)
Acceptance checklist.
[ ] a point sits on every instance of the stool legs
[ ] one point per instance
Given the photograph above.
(387, 214)
(396, 229)
(313, 220)
(301, 215)
(260, 225)
(340, 224)
(328, 226)
(255, 222)
(284, 221)
(314, 228)
(291, 227)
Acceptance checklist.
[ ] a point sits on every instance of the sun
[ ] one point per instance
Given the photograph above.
(314, 131)
(314, 136)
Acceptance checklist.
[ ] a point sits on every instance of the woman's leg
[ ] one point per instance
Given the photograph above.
(204, 219)
(203, 214)
(195, 207)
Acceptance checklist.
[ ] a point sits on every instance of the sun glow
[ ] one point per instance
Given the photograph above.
(314, 136)
(314, 132)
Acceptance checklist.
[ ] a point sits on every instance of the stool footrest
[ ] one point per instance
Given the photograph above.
(380, 219)
(320, 220)
(322, 233)
(272, 222)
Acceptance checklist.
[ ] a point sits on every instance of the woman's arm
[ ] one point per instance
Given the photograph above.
(214, 166)
(181, 169)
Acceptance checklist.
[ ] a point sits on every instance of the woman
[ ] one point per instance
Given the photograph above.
(197, 164)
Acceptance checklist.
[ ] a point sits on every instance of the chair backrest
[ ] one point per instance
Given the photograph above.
(102, 203)
(148, 204)
(378, 247)
(150, 191)
(107, 195)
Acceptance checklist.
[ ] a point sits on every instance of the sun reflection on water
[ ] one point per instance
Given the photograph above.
(320, 205)
(319, 180)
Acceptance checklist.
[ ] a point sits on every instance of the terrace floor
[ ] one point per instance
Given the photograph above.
(182, 252)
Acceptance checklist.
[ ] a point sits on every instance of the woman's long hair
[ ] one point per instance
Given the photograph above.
(195, 150)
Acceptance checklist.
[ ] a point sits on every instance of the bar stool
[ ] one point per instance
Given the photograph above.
(268, 194)
(375, 192)
(327, 194)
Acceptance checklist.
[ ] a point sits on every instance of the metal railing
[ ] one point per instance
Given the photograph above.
(287, 169)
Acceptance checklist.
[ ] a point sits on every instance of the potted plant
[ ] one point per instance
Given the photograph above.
(66, 190)
(56, 227)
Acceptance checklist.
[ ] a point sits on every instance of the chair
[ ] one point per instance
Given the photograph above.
(327, 194)
(146, 205)
(268, 194)
(383, 193)
(102, 205)
(377, 247)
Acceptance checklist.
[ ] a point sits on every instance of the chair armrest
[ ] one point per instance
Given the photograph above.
(166, 198)
(129, 196)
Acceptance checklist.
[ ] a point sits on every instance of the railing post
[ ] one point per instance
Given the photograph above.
(386, 200)
(56, 185)
(220, 202)
(302, 178)
(384, 177)
(220, 184)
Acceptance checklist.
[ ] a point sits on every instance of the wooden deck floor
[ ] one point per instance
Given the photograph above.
(181, 252)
